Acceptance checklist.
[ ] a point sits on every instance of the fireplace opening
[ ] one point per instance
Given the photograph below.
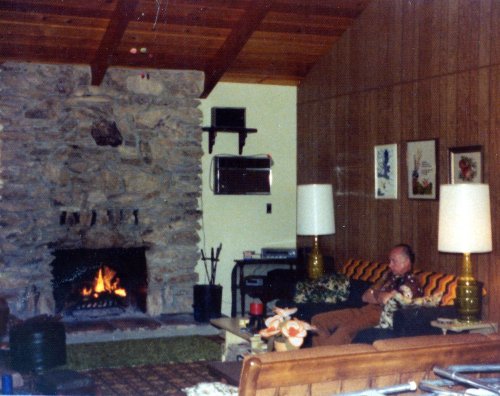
(99, 282)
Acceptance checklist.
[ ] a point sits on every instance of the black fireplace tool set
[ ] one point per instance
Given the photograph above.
(214, 260)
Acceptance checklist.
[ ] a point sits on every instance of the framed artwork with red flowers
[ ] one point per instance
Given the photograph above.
(466, 164)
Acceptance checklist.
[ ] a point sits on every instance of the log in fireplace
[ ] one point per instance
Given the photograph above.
(99, 282)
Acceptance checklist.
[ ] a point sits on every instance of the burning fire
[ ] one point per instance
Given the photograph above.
(105, 282)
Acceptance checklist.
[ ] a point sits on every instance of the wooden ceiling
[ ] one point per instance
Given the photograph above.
(252, 41)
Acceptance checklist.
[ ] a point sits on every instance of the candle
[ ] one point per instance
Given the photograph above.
(256, 308)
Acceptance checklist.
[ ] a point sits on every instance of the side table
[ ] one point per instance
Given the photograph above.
(264, 292)
(233, 334)
(474, 327)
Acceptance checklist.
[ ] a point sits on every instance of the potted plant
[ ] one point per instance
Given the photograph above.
(285, 332)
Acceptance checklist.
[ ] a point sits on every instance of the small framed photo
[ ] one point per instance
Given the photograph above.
(386, 171)
(421, 159)
(466, 164)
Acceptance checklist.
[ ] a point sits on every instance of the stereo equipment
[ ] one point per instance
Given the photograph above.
(254, 281)
(242, 175)
(279, 253)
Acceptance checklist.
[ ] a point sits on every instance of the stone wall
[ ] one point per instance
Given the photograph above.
(111, 166)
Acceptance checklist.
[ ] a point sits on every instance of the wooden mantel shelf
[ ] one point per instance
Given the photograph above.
(242, 135)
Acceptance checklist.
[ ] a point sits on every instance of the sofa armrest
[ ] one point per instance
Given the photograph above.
(415, 321)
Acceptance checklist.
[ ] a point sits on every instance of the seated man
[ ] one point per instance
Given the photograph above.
(340, 327)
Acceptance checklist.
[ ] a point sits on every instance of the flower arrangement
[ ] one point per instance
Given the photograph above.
(284, 329)
(468, 168)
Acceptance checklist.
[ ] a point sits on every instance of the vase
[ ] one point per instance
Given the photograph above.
(282, 346)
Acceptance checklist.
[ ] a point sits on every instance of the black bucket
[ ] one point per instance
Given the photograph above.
(37, 346)
(207, 302)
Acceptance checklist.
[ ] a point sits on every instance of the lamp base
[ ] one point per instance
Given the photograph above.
(315, 265)
(468, 301)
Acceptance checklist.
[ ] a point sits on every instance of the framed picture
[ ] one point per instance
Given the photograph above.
(422, 165)
(466, 164)
(386, 171)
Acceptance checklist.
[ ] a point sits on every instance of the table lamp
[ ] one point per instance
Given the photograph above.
(465, 227)
(315, 217)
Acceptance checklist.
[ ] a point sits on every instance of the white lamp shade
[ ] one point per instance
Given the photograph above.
(464, 218)
(315, 209)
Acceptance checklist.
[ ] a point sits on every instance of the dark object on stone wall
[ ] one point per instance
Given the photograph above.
(4, 316)
(37, 344)
(106, 133)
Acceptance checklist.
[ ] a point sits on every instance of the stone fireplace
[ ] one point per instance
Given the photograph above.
(90, 283)
(109, 167)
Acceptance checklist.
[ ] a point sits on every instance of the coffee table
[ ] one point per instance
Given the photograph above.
(234, 333)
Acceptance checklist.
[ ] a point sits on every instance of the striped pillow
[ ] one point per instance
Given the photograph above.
(364, 270)
(437, 282)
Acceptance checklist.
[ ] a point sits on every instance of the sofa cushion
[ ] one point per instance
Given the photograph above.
(413, 321)
(356, 290)
(327, 289)
(364, 270)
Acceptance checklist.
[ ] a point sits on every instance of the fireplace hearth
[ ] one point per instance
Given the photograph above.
(99, 282)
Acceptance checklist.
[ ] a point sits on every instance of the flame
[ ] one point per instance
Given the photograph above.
(104, 282)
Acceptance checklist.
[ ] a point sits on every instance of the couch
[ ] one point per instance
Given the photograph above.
(409, 321)
(348, 368)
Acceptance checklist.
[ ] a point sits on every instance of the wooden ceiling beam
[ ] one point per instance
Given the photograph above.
(111, 38)
(235, 41)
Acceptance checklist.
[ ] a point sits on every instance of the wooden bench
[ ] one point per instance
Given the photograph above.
(347, 368)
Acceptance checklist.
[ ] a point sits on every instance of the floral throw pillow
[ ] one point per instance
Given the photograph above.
(327, 289)
(404, 299)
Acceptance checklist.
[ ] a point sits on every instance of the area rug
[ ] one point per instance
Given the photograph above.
(152, 351)
(168, 379)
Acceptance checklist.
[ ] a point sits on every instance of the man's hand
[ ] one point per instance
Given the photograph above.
(383, 297)
(372, 296)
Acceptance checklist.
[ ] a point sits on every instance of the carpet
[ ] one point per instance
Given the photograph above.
(168, 379)
(152, 351)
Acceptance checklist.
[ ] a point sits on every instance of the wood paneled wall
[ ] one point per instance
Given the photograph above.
(407, 70)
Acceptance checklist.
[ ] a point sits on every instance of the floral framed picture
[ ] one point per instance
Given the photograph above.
(466, 164)
(421, 159)
(386, 171)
